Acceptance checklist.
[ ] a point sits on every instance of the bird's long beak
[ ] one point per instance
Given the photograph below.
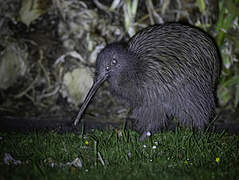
(90, 94)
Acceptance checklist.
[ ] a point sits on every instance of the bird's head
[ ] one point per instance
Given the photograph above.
(113, 60)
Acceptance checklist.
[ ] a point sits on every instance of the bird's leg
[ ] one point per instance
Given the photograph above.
(148, 120)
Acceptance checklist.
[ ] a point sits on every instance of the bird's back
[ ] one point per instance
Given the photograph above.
(174, 52)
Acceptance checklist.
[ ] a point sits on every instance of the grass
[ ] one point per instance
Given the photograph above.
(183, 154)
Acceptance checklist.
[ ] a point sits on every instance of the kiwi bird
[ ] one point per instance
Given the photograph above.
(165, 72)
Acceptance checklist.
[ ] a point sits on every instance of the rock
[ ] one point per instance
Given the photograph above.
(78, 83)
(12, 65)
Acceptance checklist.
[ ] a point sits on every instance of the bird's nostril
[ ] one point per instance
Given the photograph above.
(107, 68)
(114, 62)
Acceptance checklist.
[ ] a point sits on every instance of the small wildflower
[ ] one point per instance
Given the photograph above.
(86, 142)
(154, 147)
(52, 164)
(144, 146)
(217, 159)
(129, 154)
(148, 133)
(120, 134)
(156, 143)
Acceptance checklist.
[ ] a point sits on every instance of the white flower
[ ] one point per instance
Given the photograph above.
(148, 133)
(129, 154)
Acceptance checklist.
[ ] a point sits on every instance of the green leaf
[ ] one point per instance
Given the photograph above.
(32, 9)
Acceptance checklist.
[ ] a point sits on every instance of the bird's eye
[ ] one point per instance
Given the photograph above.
(114, 61)
(107, 68)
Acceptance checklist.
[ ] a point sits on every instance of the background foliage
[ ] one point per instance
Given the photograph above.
(53, 40)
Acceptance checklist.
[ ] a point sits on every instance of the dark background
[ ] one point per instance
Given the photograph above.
(34, 35)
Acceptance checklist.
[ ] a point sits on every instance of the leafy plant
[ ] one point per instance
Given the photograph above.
(227, 40)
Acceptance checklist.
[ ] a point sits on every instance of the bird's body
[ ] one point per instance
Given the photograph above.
(164, 72)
